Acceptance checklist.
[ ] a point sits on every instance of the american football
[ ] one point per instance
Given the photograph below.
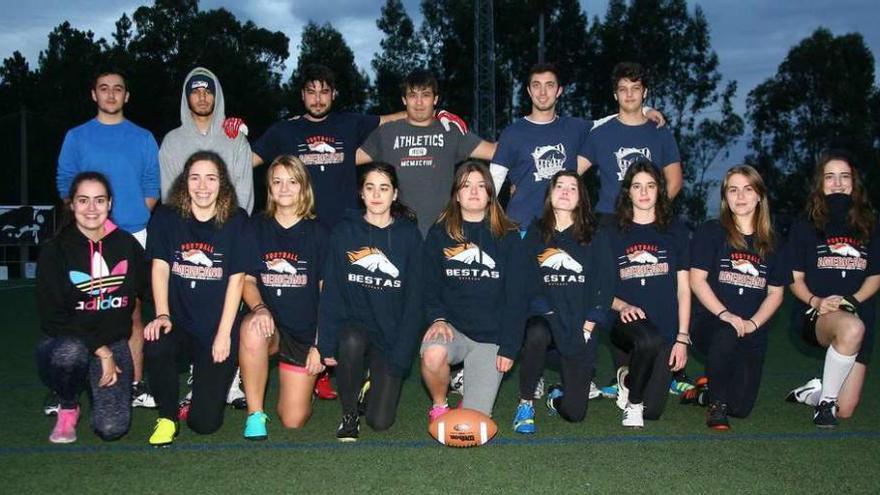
(463, 428)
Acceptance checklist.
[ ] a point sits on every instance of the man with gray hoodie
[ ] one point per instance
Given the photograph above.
(202, 112)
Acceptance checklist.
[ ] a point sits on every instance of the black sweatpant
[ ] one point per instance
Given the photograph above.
(67, 368)
(646, 352)
(576, 371)
(355, 354)
(733, 365)
(210, 380)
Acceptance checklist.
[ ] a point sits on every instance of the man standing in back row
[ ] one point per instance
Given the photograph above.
(422, 150)
(629, 138)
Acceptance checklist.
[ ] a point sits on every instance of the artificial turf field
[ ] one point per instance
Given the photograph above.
(775, 450)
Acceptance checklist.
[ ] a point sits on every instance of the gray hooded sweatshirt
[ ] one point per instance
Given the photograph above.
(182, 142)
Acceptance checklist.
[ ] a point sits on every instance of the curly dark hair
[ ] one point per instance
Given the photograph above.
(180, 200)
(623, 210)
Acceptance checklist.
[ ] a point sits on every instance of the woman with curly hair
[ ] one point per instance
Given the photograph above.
(653, 298)
(834, 252)
(198, 244)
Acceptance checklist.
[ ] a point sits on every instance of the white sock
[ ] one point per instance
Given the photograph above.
(837, 368)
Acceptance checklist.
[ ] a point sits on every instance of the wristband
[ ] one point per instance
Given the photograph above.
(810, 301)
(721, 313)
(686, 344)
(258, 307)
(163, 315)
(753, 323)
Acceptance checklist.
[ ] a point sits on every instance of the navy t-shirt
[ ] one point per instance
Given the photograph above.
(614, 146)
(289, 268)
(834, 263)
(327, 148)
(532, 153)
(648, 261)
(739, 278)
(202, 257)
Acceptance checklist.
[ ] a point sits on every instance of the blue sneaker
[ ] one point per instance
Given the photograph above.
(524, 421)
(609, 392)
(554, 393)
(677, 388)
(255, 426)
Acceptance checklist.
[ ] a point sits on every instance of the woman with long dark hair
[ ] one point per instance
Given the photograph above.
(652, 301)
(283, 299)
(835, 260)
(738, 277)
(371, 309)
(199, 244)
(475, 295)
(571, 269)
(89, 278)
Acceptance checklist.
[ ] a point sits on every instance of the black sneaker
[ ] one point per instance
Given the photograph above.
(51, 404)
(716, 417)
(141, 396)
(349, 428)
(825, 414)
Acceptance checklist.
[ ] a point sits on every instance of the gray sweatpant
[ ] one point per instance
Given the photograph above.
(481, 378)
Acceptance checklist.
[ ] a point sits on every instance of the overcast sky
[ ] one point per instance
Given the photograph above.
(751, 37)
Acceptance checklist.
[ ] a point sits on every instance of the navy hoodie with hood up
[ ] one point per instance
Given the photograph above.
(478, 285)
(87, 289)
(372, 277)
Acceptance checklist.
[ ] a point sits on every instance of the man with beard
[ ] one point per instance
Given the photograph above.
(325, 141)
(202, 113)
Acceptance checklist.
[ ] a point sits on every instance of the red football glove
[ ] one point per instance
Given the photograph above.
(448, 119)
(232, 126)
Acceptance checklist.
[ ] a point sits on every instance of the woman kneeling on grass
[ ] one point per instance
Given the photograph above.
(475, 294)
(738, 278)
(85, 311)
(835, 258)
(199, 260)
(283, 297)
(571, 268)
(653, 296)
(371, 308)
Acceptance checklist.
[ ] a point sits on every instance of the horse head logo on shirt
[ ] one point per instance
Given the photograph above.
(279, 265)
(197, 257)
(642, 257)
(468, 253)
(556, 258)
(373, 259)
(844, 249)
(321, 147)
(101, 280)
(744, 266)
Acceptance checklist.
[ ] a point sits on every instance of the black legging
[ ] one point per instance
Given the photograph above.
(646, 352)
(576, 371)
(210, 380)
(733, 364)
(354, 349)
(67, 367)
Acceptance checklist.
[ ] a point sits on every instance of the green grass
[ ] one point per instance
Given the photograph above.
(776, 450)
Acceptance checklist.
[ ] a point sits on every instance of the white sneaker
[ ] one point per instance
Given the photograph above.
(235, 395)
(539, 389)
(141, 396)
(632, 415)
(802, 394)
(594, 393)
(456, 384)
(622, 390)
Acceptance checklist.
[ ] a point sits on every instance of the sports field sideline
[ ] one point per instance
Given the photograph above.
(776, 450)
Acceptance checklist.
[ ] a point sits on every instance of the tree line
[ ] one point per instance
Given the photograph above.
(823, 94)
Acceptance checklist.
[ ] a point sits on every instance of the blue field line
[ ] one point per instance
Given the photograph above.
(427, 443)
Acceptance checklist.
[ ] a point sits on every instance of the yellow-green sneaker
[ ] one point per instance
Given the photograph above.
(163, 433)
